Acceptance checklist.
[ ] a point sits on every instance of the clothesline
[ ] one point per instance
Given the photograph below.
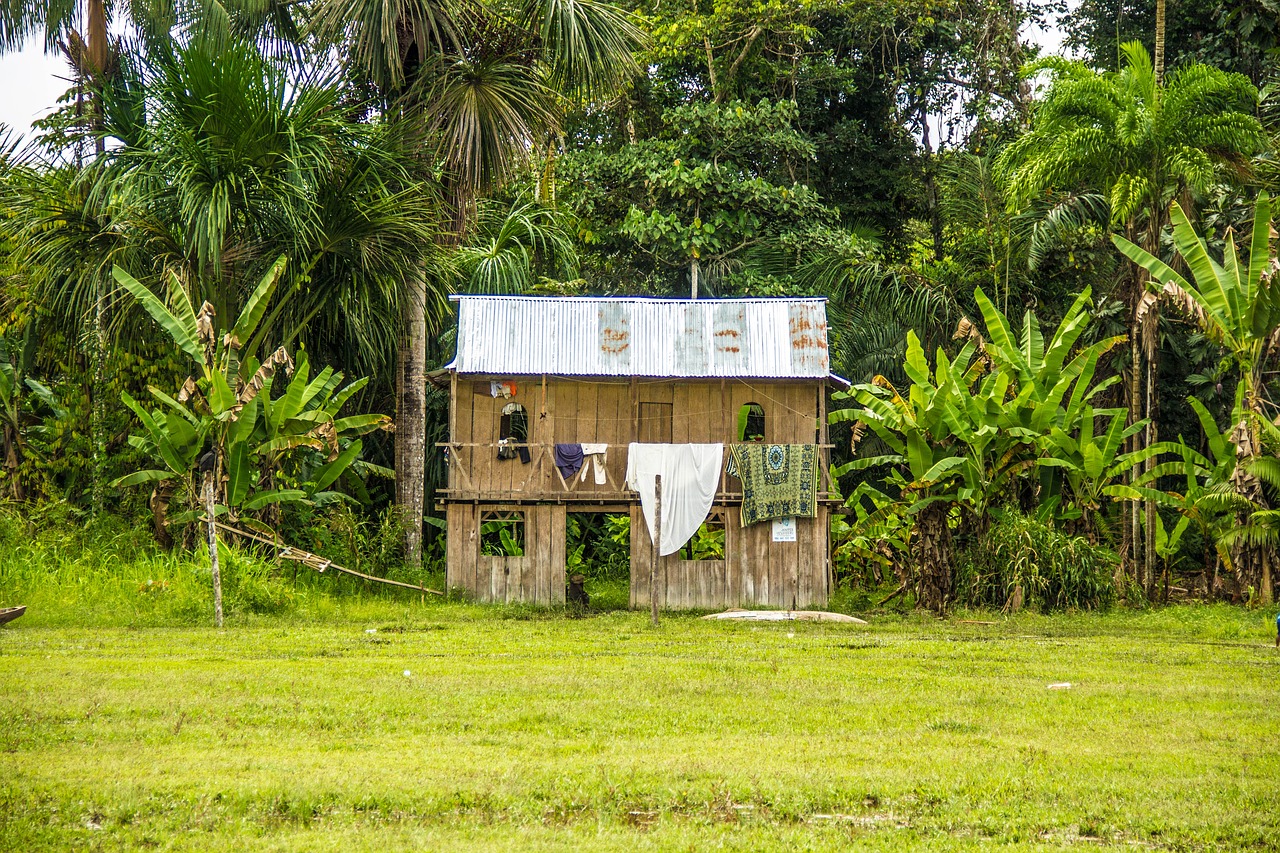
(554, 443)
(747, 385)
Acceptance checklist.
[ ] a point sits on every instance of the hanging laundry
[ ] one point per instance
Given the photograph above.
(506, 449)
(599, 454)
(778, 480)
(690, 475)
(502, 389)
(568, 458)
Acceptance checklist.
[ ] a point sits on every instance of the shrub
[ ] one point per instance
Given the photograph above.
(1054, 571)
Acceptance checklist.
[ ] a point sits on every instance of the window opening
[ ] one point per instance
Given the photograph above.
(655, 423)
(514, 425)
(708, 542)
(502, 534)
(598, 549)
(751, 422)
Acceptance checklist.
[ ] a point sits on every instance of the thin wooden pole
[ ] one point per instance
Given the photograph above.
(213, 546)
(657, 547)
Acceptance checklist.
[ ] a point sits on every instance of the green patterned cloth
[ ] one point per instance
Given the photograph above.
(778, 480)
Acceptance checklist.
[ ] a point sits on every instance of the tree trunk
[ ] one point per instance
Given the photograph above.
(931, 550)
(1159, 58)
(96, 62)
(161, 495)
(411, 418)
(209, 507)
(1149, 542)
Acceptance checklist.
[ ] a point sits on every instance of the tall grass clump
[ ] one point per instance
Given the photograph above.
(110, 572)
(1023, 562)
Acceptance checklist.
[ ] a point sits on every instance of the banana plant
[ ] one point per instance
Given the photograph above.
(1084, 468)
(971, 426)
(1055, 385)
(1203, 497)
(228, 406)
(948, 450)
(1236, 304)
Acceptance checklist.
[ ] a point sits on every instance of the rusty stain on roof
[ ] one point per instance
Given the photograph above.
(593, 336)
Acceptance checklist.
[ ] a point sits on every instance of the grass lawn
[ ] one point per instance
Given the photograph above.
(455, 727)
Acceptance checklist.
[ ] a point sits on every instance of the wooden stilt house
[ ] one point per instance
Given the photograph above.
(534, 372)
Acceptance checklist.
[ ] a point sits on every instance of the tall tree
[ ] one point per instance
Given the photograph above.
(1142, 143)
(488, 85)
(1236, 303)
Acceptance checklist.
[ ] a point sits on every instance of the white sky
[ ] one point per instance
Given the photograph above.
(30, 80)
(30, 85)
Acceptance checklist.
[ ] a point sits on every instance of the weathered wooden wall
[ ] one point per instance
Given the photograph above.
(536, 578)
(571, 411)
(756, 571)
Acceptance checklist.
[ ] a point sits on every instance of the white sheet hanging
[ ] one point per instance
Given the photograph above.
(690, 477)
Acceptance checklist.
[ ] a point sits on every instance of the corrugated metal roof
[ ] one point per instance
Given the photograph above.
(588, 336)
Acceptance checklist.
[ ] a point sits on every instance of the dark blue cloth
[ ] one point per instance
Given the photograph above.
(568, 459)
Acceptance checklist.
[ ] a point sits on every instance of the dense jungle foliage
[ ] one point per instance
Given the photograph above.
(1050, 280)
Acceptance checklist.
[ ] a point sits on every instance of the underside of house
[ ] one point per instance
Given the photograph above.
(539, 381)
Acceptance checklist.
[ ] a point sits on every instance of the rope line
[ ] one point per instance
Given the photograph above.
(684, 413)
(314, 561)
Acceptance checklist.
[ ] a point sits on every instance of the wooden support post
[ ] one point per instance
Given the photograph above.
(213, 545)
(657, 547)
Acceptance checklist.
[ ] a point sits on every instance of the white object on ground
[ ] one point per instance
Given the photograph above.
(1060, 685)
(786, 616)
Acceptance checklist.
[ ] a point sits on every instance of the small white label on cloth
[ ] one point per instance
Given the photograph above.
(784, 530)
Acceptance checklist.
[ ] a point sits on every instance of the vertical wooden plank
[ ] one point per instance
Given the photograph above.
(463, 432)
(466, 571)
(634, 404)
(786, 393)
(500, 572)
(585, 416)
(558, 518)
(522, 569)
(543, 554)
(826, 579)
(484, 430)
(683, 408)
(479, 580)
(735, 577)
(525, 585)
(805, 562)
(590, 398)
(818, 586)
(537, 566)
(453, 405)
(619, 435)
(764, 576)
(452, 546)
(566, 426)
(545, 431)
(639, 560)
(469, 549)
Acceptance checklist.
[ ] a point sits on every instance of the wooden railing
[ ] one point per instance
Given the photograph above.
(462, 482)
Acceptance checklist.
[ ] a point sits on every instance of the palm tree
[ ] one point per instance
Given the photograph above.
(1142, 139)
(222, 161)
(487, 85)
(1236, 304)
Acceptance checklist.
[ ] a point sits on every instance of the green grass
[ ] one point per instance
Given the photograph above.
(521, 729)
